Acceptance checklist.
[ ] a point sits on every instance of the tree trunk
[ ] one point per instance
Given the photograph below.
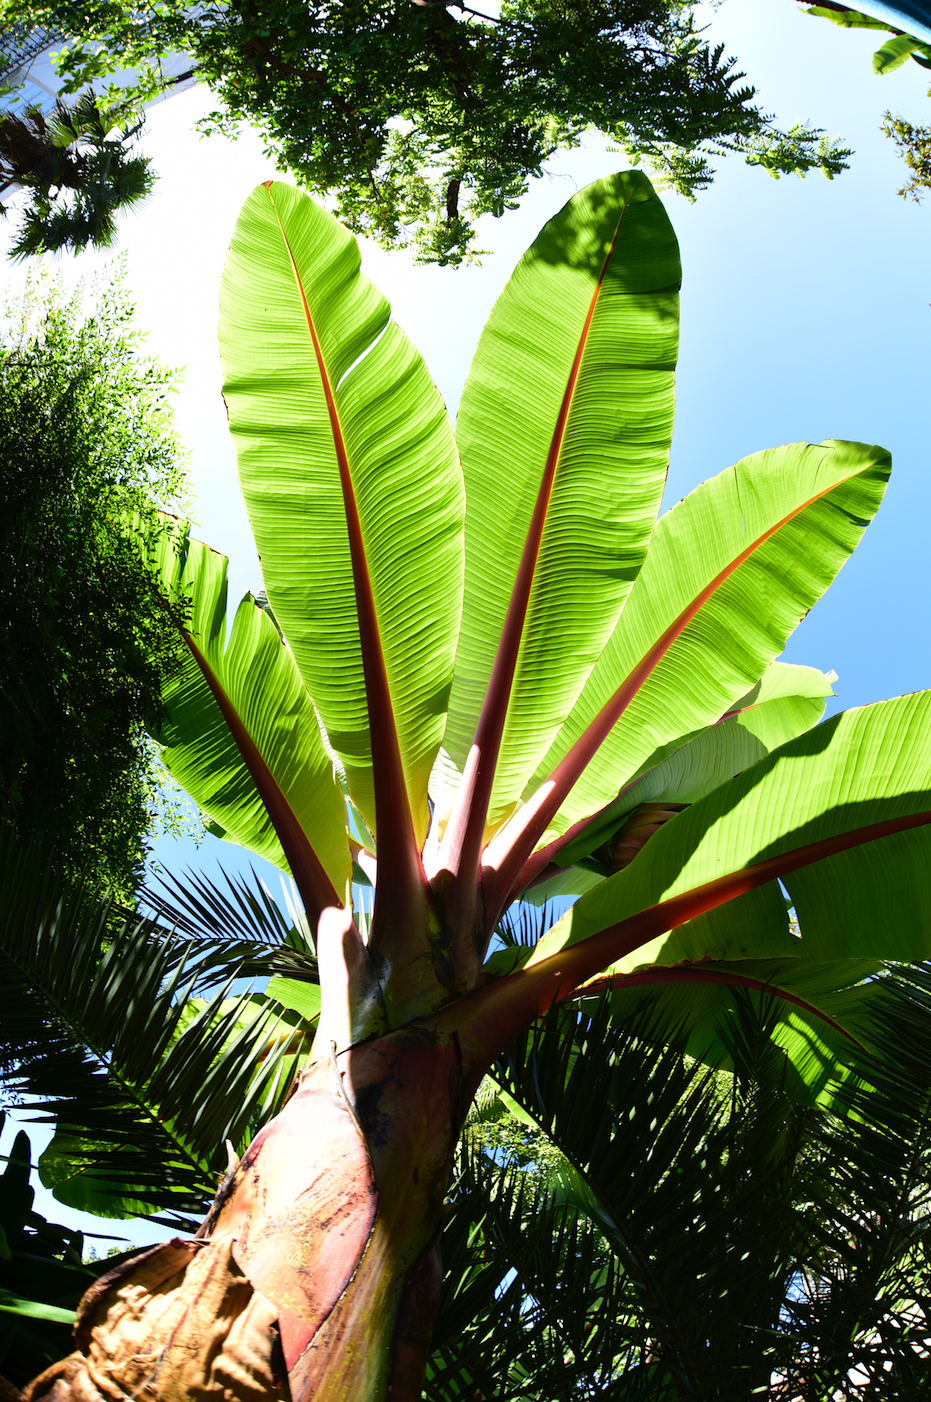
(316, 1273)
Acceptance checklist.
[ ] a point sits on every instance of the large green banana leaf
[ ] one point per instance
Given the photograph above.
(842, 815)
(786, 702)
(817, 1012)
(568, 410)
(231, 696)
(352, 482)
(730, 572)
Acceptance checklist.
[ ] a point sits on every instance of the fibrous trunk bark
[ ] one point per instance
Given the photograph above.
(316, 1273)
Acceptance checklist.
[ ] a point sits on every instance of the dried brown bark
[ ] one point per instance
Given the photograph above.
(323, 1235)
(179, 1322)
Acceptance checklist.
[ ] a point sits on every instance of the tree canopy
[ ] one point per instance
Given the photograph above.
(419, 117)
(86, 441)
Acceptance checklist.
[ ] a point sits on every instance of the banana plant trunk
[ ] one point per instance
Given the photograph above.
(316, 1273)
(337, 1210)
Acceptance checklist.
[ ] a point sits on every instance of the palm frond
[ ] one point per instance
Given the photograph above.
(525, 1278)
(679, 1233)
(144, 1086)
(233, 926)
(523, 925)
(862, 1300)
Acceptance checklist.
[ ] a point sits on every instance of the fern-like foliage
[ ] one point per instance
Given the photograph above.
(233, 925)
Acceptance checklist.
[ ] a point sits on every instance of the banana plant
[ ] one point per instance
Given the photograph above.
(41, 1273)
(484, 668)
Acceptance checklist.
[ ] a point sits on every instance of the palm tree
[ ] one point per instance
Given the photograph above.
(678, 1232)
(78, 166)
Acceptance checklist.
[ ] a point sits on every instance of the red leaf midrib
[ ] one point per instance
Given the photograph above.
(513, 846)
(400, 875)
(315, 887)
(461, 848)
(488, 1019)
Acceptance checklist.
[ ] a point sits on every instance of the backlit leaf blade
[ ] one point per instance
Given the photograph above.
(258, 676)
(327, 446)
(721, 751)
(847, 19)
(834, 1011)
(789, 681)
(11, 1303)
(731, 571)
(600, 281)
(571, 881)
(300, 997)
(861, 781)
(788, 701)
(895, 52)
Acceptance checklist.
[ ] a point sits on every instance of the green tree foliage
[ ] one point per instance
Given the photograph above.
(86, 440)
(118, 1028)
(419, 117)
(78, 166)
(503, 673)
(126, 1036)
(913, 142)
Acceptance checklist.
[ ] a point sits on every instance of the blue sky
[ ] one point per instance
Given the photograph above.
(804, 316)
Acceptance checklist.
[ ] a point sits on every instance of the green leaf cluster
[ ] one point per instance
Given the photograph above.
(645, 665)
(87, 439)
(41, 1274)
(666, 1232)
(913, 141)
(485, 663)
(418, 118)
(78, 166)
(134, 1042)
